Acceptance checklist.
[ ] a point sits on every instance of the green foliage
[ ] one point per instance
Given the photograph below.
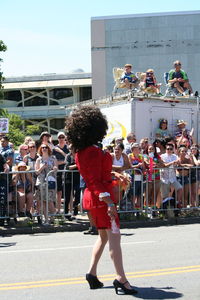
(32, 129)
(3, 48)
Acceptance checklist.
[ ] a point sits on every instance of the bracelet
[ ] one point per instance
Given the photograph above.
(111, 204)
(102, 195)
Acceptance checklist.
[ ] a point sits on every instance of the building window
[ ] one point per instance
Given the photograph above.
(37, 98)
(13, 95)
(61, 93)
(85, 93)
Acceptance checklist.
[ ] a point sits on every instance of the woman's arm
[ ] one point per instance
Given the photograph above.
(126, 162)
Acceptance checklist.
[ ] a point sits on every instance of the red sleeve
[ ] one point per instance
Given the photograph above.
(89, 162)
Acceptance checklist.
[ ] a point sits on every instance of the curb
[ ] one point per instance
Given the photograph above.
(81, 225)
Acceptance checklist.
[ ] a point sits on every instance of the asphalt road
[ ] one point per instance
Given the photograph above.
(162, 263)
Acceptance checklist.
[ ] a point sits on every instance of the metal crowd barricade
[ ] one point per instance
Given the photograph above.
(10, 197)
(138, 197)
(64, 209)
(151, 203)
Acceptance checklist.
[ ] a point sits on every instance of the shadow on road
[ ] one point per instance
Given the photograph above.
(3, 245)
(152, 293)
(157, 293)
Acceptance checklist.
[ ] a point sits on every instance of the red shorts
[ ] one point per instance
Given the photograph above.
(101, 218)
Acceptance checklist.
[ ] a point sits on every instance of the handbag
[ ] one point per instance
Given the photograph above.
(51, 183)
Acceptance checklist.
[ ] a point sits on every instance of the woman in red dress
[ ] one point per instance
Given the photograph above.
(85, 128)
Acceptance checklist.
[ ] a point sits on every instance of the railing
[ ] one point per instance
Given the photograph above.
(142, 196)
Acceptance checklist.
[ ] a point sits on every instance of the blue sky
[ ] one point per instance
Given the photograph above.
(53, 36)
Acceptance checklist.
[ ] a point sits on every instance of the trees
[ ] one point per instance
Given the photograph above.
(17, 129)
(3, 48)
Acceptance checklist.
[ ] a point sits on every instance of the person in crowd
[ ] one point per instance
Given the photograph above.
(195, 174)
(179, 79)
(72, 184)
(120, 163)
(131, 138)
(129, 79)
(32, 155)
(30, 160)
(144, 145)
(8, 153)
(23, 184)
(183, 133)
(160, 145)
(60, 151)
(183, 173)
(181, 124)
(172, 140)
(183, 142)
(46, 138)
(149, 83)
(152, 163)
(85, 128)
(27, 140)
(136, 160)
(45, 165)
(168, 174)
(162, 132)
(118, 140)
(4, 169)
(109, 148)
(120, 159)
(23, 151)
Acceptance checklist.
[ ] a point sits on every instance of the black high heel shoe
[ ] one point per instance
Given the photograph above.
(120, 285)
(93, 281)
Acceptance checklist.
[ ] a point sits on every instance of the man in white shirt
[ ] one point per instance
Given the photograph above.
(168, 174)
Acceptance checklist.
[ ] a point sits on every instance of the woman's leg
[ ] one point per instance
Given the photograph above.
(194, 192)
(21, 201)
(29, 201)
(97, 251)
(116, 256)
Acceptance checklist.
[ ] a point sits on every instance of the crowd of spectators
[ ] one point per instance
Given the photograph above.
(165, 169)
(177, 79)
(146, 173)
(34, 183)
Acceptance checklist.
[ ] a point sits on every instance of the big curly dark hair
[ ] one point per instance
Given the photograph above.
(85, 126)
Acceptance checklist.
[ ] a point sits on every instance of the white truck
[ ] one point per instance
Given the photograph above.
(142, 117)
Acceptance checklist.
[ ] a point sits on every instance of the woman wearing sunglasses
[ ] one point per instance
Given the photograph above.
(45, 164)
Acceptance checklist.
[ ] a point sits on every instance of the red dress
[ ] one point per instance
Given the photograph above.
(95, 166)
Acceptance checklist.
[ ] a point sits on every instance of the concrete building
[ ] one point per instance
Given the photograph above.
(42, 99)
(146, 41)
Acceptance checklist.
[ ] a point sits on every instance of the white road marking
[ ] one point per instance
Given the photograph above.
(66, 248)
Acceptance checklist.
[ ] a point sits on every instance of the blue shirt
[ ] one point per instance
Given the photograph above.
(6, 152)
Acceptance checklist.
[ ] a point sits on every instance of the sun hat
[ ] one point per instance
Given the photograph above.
(128, 65)
(60, 133)
(179, 122)
(44, 133)
(135, 145)
(22, 164)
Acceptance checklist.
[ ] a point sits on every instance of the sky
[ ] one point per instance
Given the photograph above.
(53, 36)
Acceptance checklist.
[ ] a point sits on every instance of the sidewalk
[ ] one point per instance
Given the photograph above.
(81, 223)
